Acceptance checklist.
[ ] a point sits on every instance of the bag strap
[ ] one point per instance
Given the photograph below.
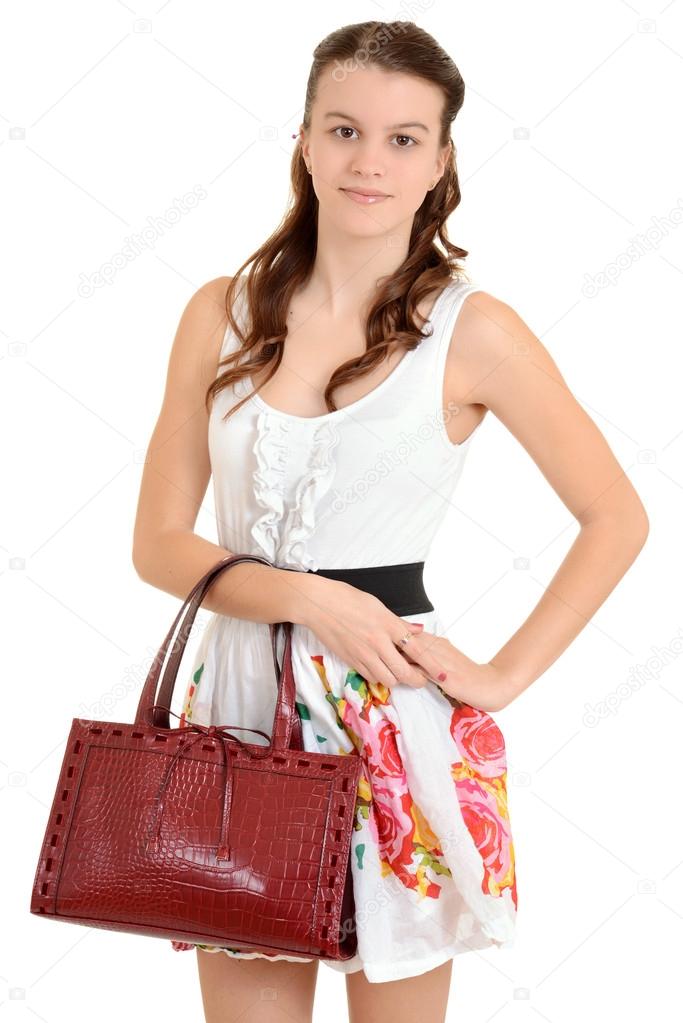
(171, 670)
(153, 711)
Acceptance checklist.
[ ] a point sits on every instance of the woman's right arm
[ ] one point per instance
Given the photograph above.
(167, 553)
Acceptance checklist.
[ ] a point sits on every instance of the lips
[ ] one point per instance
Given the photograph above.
(365, 197)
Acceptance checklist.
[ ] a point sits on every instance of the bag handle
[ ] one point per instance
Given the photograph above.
(195, 599)
(154, 712)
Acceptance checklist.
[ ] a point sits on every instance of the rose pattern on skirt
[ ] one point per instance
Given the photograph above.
(405, 842)
(480, 779)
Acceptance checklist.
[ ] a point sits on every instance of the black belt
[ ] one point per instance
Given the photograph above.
(399, 587)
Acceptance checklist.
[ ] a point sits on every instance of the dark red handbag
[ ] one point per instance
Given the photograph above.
(194, 835)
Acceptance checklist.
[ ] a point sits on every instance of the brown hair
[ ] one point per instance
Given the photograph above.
(284, 262)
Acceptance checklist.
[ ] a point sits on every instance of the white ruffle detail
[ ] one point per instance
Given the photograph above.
(286, 547)
(271, 450)
(314, 483)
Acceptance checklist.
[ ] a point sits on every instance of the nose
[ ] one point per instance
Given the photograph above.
(366, 161)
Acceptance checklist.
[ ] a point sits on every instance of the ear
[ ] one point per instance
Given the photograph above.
(444, 156)
(303, 141)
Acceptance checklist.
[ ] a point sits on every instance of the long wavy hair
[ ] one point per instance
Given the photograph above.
(285, 260)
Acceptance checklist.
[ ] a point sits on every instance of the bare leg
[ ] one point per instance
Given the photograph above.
(255, 990)
(423, 998)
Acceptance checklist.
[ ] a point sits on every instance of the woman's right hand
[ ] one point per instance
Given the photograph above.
(364, 633)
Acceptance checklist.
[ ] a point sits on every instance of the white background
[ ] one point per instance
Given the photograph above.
(569, 154)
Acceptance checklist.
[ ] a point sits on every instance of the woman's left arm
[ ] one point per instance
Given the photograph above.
(506, 368)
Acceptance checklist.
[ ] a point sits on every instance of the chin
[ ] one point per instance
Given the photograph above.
(367, 229)
(362, 221)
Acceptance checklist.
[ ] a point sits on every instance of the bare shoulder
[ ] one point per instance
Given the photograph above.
(474, 347)
(489, 344)
(486, 330)
(493, 344)
(177, 465)
(201, 331)
(498, 361)
(206, 307)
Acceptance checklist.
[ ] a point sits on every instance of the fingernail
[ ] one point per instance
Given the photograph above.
(420, 625)
(442, 676)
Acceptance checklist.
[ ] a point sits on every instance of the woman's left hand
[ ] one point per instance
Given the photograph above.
(479, 685)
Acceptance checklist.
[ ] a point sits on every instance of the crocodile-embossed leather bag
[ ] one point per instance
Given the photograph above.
(195, 835)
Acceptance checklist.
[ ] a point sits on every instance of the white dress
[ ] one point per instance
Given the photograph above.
(432, 854)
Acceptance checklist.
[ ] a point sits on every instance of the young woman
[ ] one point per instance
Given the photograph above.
(333, 392)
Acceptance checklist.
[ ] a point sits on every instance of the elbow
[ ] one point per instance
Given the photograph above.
(645, 528)
(639, 528)
(642, 536)
(137, 565)
(628, 521)
(140, 562)
(633, 532)
(145, 543)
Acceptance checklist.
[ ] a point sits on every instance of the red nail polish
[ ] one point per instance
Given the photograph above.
(442, 676)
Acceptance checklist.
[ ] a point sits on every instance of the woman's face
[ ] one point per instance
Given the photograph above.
(378, 131)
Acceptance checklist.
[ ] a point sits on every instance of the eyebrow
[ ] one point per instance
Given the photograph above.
(404, 124)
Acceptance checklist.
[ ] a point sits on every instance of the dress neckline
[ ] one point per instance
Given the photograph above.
(382, 386)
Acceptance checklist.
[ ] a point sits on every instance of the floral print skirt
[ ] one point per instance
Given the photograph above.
(432, 856)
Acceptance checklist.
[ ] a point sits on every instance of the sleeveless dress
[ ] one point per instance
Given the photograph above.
(432, 855)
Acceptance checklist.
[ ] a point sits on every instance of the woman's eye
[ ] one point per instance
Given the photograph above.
(343, 127)
(347, 127)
